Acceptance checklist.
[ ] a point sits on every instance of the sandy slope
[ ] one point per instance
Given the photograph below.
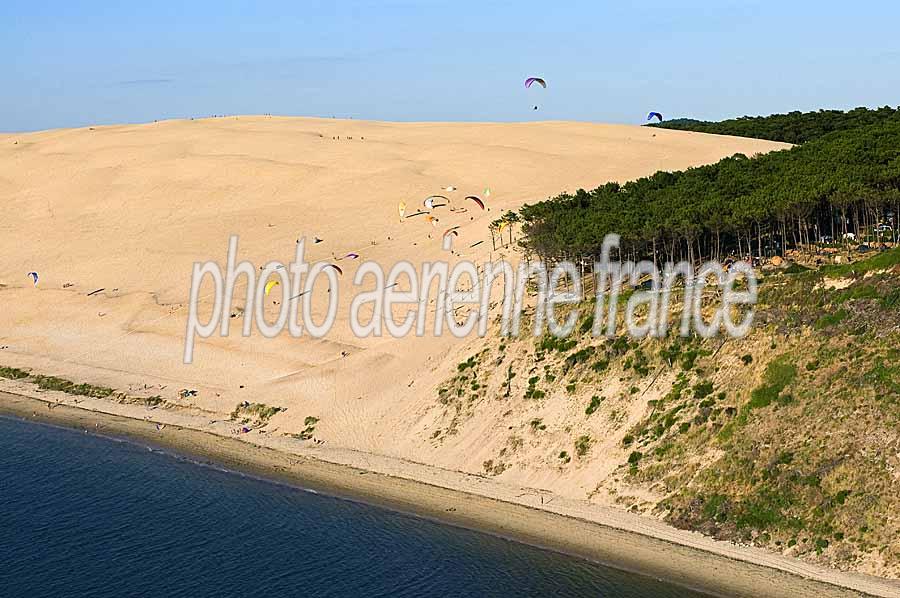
(130, 208)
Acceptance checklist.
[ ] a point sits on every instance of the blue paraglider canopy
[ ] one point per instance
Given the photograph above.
(656, 115)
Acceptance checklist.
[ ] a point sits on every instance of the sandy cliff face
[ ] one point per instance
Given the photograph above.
(786, 438)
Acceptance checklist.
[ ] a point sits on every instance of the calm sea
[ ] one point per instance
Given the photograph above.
(83, 515)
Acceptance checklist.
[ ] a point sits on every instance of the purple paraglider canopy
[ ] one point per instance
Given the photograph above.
(530, 80)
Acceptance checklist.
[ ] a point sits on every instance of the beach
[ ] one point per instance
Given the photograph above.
(610, 537)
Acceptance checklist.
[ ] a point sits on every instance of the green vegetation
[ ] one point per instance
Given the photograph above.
(891, 300)
(552, 343)
(831, 319)
(683, 352)
(532, 392)
(794, 466)
(82, 390)
(860, 291)
(781, 439)
(703, 390)
(582, 445)
(599, 366)
(795, 269)
(580, 356)
(307, 433)
(739, 205)
(638, 362)
(593, 405)
(12, 373)
(793, 127)
(245, 412)
(69, 387)
(885, 378)
(779, 374)
(881, 261)
(469, 363)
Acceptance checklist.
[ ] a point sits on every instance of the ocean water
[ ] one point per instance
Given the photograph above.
(84, 515)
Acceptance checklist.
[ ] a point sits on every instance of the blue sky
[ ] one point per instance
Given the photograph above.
(76, 63)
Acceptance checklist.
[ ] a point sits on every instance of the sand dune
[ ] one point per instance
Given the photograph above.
(129, 209)
(113, 219)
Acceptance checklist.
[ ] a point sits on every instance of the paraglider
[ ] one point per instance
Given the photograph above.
(432, 220)
(402, 209)
(351, 256)
(655, 115)
(447, 238)
(270, 285)
(336, 267)
(450, 188)
(429, 202)
(532, 80)
(34, 277)
(476, 200)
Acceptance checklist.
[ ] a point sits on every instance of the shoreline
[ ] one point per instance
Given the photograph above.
(682, 558)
